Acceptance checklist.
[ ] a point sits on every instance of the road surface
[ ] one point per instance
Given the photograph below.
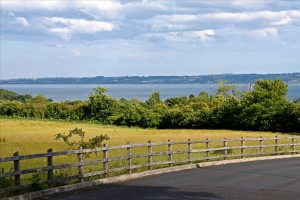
(265, 180)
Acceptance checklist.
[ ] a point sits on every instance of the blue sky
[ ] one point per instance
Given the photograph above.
(119, 38)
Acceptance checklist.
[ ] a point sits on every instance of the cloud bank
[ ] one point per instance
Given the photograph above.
(114, 37)
(134, 19)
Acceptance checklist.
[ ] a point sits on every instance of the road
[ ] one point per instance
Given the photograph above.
(266, 180)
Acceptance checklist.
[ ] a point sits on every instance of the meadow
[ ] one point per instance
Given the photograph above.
(36, 136)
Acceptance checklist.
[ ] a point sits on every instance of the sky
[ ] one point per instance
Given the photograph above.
(61, 38)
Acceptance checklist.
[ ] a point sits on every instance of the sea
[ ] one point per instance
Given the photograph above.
(65, 92)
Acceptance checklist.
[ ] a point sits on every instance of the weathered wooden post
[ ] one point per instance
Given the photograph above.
(261, 143)
(170, 153)
(16, 170)
(149, 155)
(80, 164)
(105, 163)
(293, 145)
(129, 157)
(225, 148)
(50, 165)
(207, 149)
(242, 147)
(276, 145)
(189, 151)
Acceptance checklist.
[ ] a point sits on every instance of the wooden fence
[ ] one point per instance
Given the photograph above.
(190, 151)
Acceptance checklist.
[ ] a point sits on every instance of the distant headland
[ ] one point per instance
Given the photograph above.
(201, 79)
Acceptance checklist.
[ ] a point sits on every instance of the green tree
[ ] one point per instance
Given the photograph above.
(154, 98)
(203, 97)
(130, 114)
(58, 110)
(80, 111)
(226, 90)
(176, 101)
(226, 115)
(38, 105)
(101, 105)
(12, 96)
(263, 105)
(178, 117)
(12, 108)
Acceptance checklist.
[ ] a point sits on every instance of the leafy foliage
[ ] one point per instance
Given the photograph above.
(153, 99)
(12, 96)
(90, 144)
(101, 105)
(265, 108)
(36, 182)
(6, 181)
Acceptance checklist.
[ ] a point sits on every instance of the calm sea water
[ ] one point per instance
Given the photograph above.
(81, 92)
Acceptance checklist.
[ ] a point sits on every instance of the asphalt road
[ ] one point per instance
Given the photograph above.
(269, 179)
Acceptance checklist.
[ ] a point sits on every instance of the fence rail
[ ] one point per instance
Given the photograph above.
(187, 150)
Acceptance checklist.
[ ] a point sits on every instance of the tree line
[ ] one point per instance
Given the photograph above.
(265, 108)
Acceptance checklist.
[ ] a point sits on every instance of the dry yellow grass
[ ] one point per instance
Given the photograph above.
(35, 136)
(30, 136)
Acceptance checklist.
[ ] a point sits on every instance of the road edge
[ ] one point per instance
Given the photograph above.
(68, 188)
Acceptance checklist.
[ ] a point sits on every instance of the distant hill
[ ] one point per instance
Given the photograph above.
(203, 79)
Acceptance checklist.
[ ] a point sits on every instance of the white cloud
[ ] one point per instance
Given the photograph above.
(253, 5)
(244, 16)
(76, 52)
(64, 33)
(176, 18)
(169, 36)
(203, 35)
(100, 9)
(66, 27)
(21, 21)
(265, 33)
(226, 17)
(33, 5)
(120, 10)
(295, 13)
(171, 22)
(168, 26)
(282, 22)
(217, 20)
(82, 25)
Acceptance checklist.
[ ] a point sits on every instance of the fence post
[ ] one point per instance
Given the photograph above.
(189, 151)
(170, 153)
(207, 149)
(293, 145)
(105, 163)
(242, 147)
(261, 145)
(129, 157)
(50, 165)
(80, 164)
(276, 145)
(225, 150)
(149, 155)
(16, 169)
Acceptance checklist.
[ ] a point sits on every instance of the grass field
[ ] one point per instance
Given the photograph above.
(31, 136)
(36, 136)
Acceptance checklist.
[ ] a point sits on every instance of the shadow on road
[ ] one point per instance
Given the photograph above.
(133, 192)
